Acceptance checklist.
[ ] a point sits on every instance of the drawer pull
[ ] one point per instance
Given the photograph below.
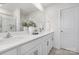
(52, 39)
(36, 52)
(47, 43)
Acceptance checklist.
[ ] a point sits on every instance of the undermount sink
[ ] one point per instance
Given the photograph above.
(4, 38)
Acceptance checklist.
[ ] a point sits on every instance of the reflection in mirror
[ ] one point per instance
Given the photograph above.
(7, 23)
(0, 24)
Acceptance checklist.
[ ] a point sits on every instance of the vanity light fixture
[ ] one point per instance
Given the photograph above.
(39, 6)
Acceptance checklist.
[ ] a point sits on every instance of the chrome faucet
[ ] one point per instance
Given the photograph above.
(8, 35)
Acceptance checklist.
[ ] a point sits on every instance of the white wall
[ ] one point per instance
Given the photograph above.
(53, 17)
(38, 17)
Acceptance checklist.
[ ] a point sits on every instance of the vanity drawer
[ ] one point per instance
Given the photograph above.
(37, 50)
(30, 45)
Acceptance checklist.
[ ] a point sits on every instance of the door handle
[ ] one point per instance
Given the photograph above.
(36, 52)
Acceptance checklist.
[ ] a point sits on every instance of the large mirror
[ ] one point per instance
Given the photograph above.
(7, 23)
(14, 18)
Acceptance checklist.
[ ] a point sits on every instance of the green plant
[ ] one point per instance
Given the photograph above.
(32, 24)
(29, 23)
(24, 24)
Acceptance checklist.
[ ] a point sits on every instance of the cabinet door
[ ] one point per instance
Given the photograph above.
(35, 51)
(11, 52)
(47, 43)
(50, 39)
(51, 42)
(44, 48)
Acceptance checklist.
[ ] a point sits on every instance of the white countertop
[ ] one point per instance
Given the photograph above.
(8, 43)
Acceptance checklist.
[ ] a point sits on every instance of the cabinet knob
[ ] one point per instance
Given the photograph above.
(52, 38)
(47, 43)
(36, 52)
(61, 30)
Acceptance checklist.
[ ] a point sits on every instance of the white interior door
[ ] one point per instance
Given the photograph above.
(77, 27)
(70, 28)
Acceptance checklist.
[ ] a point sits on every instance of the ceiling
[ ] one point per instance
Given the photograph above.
(25, 7)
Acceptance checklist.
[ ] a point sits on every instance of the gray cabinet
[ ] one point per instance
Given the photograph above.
(11, 52)
(23, 49)
(35, 51)
(47, 43)
(39, 46)
(50, 42)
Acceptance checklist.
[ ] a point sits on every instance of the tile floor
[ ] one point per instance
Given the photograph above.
(55, 51)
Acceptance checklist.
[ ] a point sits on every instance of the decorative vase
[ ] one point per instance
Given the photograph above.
(31, 29)
(25, 28)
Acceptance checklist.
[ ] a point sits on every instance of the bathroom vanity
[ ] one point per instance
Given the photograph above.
(26, 44)
(15, 40)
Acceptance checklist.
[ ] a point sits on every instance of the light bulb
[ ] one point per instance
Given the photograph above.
(39, 6)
